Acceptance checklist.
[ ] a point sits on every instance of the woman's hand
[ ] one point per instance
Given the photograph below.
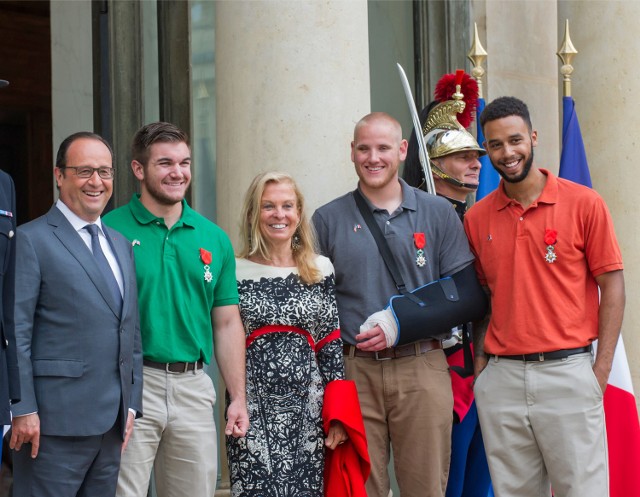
(337, 435)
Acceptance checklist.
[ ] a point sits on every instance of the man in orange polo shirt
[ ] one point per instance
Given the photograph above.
(547, 253)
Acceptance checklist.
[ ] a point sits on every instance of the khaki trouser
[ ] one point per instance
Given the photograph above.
(406, 402)
(543, 426)
(176, 436)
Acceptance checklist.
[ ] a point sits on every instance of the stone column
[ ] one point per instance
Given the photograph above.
(292, 79)
(521, 40)
(71, 71)
(605, 87)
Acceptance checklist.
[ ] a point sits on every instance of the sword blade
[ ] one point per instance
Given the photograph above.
(422, 146)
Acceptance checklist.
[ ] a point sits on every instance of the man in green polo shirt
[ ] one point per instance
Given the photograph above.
(186, 285)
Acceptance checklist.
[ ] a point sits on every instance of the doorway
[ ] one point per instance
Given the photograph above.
(25, 105)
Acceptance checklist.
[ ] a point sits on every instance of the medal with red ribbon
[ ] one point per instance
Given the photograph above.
(206, 257)
(420, 241)
(550, 239)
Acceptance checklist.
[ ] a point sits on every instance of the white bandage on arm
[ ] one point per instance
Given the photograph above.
(386, 321)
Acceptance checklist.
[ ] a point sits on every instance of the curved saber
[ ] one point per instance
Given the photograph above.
(422, 146)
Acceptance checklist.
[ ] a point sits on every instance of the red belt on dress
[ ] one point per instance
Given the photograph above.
(275, 328)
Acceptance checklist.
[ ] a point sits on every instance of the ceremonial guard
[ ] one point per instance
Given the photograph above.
(454, 162)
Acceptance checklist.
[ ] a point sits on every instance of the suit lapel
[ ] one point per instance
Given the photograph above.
(72, 241)
(124, 261)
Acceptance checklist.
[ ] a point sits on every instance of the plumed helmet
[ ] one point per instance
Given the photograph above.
(445, 142)
(443, 132)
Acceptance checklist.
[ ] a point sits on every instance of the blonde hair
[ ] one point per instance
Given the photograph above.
(253, 242)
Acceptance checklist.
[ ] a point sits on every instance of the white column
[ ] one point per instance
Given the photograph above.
(521, 40)
(71, 69)
(292, 79)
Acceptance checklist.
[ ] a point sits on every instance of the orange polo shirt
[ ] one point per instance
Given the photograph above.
(541, 303)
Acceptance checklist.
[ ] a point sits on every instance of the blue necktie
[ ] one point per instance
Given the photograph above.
(104, 266)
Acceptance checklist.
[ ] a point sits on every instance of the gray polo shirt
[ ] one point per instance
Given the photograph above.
(363, 282)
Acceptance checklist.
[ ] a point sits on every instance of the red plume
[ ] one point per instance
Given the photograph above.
(446, 87)
(459, 76)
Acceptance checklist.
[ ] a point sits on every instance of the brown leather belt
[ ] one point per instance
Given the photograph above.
(173, 367)
(416, 348)
(545, 356)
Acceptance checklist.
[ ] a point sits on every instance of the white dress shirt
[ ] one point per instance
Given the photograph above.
(79, 224)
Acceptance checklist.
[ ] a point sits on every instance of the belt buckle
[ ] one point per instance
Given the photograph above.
(186, 368)
(377, 358)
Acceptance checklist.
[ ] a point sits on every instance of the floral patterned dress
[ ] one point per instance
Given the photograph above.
(283, 452)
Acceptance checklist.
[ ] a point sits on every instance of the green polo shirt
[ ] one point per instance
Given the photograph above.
(176, 291)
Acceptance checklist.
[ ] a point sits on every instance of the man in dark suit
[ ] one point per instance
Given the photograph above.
(77, 335)
(9, 379)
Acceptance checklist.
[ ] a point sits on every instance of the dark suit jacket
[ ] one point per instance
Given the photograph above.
(9, 379)
(80, 361)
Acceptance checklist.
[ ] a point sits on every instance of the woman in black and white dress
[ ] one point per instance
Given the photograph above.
(294, 350)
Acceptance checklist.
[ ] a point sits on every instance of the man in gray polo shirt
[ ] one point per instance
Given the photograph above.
(405, 392)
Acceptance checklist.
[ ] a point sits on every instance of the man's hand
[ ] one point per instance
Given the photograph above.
(128, 430)
(479, 330)
(237, 419)
(610, 313)
(602, 375)
(372, 340)
(479, 363)
(230, 354)
(26, 429)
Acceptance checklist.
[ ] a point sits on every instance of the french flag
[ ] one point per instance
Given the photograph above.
(489, 178)
(621, 412)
